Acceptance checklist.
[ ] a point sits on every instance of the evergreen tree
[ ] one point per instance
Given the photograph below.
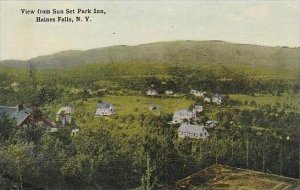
(148, 181)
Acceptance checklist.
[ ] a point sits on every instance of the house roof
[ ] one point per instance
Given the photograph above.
(189, 128)
(65, 109)
(218, 96)
(152, 91)
(103, 105)
(197, 92)
(20, 116)
(75, 130)
(8, 111)
(181, 111)
(211, 121)
(198, 106)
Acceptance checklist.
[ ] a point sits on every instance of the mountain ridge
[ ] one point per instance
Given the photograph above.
(186, 52)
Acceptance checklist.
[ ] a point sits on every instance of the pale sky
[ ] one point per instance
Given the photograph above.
(272, 23)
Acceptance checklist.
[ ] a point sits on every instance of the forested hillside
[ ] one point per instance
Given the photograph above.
(174, 53)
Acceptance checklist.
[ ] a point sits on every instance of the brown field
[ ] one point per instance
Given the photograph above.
(219, 177)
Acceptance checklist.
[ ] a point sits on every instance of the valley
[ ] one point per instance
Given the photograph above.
(104, 118)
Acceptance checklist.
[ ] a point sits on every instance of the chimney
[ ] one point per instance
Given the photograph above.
(21, 106)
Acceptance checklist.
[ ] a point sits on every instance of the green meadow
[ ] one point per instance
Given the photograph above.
(291, 100)
(126, 105)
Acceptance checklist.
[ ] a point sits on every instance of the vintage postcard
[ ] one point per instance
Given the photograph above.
(150, 95)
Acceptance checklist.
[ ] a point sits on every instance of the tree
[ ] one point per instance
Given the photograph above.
(32, 133)
(46, 95)
(148, 182)
(6, 128)
(32, 75)
(18, 162)
(85, 94)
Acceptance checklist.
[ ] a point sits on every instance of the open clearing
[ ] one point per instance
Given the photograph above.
(126, 105)
(225, 177)
(139, 104)
(292, 100)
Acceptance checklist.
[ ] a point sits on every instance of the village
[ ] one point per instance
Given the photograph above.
(201, 125)
(188, 119)
(188, 129)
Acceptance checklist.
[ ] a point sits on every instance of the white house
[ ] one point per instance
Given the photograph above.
(105, 109)
(198, 108)
(192, 131)
(207, 99)
(217, 99)
(198, 93)
(211, 124)
(64, 114)
(169, 92)
(53, 130)
(152, 92)
(180, 115)
(74, 132)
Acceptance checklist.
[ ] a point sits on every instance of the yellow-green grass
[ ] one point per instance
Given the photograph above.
(293, 100)
(125, 105)
(139, 104)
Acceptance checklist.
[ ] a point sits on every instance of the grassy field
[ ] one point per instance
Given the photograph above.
(138, 104)
(126, 105)
(135, 105)
(292, 100)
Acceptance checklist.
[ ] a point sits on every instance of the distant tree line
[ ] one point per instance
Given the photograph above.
(179, 79)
